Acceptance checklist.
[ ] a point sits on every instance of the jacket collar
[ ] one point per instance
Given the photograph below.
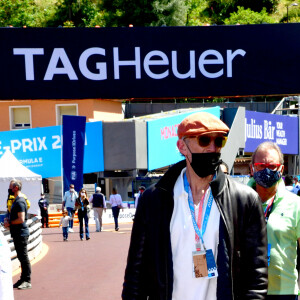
(167, 182)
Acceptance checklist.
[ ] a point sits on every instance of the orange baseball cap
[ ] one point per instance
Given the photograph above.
(201, 123)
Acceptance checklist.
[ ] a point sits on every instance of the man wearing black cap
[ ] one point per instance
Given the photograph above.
(197, 233)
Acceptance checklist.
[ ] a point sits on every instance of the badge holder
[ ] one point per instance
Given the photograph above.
(200, 265)
(204, 263)
(211, 264)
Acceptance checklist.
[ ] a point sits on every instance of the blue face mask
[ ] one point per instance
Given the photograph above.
(266, 177)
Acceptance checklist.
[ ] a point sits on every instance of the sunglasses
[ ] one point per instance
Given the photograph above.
(206, 140)
(262, 166)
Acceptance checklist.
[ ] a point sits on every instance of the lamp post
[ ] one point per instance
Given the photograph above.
(287, 10)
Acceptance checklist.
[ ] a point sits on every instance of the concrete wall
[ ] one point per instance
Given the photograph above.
(125, 145)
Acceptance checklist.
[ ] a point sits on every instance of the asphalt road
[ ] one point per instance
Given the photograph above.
(78, 269)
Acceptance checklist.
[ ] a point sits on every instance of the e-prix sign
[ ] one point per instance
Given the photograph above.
(51, 63)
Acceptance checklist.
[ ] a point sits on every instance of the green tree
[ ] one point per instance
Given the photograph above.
(126, 12)
(144, 13)
(219, 10)
(196, 14)
(248, 16)
(170, 13)
(27, 13)
(76, 12)
(294, 15)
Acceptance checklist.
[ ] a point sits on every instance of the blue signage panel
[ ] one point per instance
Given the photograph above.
(162, 139)
(39, 149)
(73, 151)
(282, 130)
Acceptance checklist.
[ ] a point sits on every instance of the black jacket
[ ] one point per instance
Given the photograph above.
(242, 249)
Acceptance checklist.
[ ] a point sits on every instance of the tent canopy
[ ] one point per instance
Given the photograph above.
(11, 168)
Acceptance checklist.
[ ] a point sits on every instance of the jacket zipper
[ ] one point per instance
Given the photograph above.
(222, 215)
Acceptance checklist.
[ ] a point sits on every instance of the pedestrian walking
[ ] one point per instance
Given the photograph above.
(83, 208)
(64, 222)
(99, 204)
(69, 203)
(115, 200)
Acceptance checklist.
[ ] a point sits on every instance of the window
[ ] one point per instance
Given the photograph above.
(65, 109)
(20, 117)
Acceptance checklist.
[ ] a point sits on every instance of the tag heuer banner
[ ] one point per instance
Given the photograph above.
(73, 130)
(151, 62)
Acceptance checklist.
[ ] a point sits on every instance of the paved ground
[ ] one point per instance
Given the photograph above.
(78, 269)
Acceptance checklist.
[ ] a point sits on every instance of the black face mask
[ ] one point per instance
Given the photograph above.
(10, 192)
(205, 164)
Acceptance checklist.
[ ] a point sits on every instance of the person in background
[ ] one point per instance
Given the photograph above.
(6, 285)
(224, 168)
(69, 203)
(288, 181)
(296, 188)
(20, 233)
(43, 205)
(99, 204)
(141, 191)
(115, 200)
(64, 222)
(11, 199)
(282, 214)
(197, 233)
(83, 207)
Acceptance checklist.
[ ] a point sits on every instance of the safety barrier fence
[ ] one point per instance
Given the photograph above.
(34, 242)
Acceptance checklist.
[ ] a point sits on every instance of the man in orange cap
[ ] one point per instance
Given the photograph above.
(198, 234)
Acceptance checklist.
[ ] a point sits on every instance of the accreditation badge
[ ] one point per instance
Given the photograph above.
(199, 263)
(204, 264)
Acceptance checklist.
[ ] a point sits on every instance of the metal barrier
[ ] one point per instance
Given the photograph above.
(34, 242)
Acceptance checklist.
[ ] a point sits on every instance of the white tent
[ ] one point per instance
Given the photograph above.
(11, 168)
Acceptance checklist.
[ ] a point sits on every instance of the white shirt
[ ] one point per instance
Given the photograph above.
(64, 221)
(183, 244)
(6, 285)
(115, 200)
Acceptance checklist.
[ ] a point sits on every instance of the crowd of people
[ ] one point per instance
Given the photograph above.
(197, 234)
(16, 222)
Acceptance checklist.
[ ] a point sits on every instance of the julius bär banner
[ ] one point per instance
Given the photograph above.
(119, 63)
(262, 127)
